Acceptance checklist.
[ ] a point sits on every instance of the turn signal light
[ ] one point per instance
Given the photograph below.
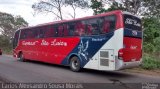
(120, 54)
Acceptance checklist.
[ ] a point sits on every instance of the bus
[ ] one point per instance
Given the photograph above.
(109, 41)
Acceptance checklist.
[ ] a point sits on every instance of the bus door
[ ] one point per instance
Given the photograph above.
(106, 60)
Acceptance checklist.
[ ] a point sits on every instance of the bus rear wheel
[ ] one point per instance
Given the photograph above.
(21, 57)
(75, 64)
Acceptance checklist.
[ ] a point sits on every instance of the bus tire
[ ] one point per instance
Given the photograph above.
(75, 64)
(21, 57)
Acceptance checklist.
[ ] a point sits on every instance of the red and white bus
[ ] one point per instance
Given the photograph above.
(109, 41)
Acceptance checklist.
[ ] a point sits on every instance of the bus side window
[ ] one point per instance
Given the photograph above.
(95, 29)
(66, 32)
(60, 30)
(49, 32)
(23, 34)
(41, 32)
(30, 34)
(71, 29)
(52, 32)
(89, 29)
(106, 27)
(109, 24)
(93, 26)
(80, 28)
(35, 33)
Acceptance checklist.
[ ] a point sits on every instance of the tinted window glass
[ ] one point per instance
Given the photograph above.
(23, 34)
(60, 30)
(109, 24)
(101, 25)
(66, 30)
(35, 33)
(93, 26)
(132, 22)
(80, 28)
(71, 27)
(49, 31)
(28, 34)
(41, 32)
(16, 38)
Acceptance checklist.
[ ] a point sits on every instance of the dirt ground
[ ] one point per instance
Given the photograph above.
(142, 71)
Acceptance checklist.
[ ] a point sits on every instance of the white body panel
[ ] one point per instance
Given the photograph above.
(112, 45)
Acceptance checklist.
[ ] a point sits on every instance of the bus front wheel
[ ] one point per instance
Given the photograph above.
(21, 57)
(75, 64)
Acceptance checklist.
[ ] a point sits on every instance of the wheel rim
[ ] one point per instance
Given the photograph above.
(74, 64)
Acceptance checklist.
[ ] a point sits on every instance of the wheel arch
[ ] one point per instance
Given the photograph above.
(19, 53)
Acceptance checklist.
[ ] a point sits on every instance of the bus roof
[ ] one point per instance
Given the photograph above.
(83, 18)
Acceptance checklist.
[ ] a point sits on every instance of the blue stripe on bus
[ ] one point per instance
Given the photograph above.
(88, 47)
(130, 33)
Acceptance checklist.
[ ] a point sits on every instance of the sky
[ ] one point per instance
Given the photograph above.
(24, 9)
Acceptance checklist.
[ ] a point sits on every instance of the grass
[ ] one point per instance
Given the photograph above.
(150, 62)
(150, 66)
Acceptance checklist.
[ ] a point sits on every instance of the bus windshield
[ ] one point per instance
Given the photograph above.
(132, 22)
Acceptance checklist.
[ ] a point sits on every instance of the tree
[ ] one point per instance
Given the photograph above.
(55, 6)
(76, 4)
(51, 6)
(97, 7)
(151, 35)
(132, 6)
(136, 7)
(153, 8)
(9, 24)
(5, 44)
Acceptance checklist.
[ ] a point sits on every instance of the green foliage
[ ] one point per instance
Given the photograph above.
(8, 25)
(115, 6)
(5, 44)
(156, 43)
(97, 7)
(132, 6)
(148, 47)
(150, 62)
(151, 35)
